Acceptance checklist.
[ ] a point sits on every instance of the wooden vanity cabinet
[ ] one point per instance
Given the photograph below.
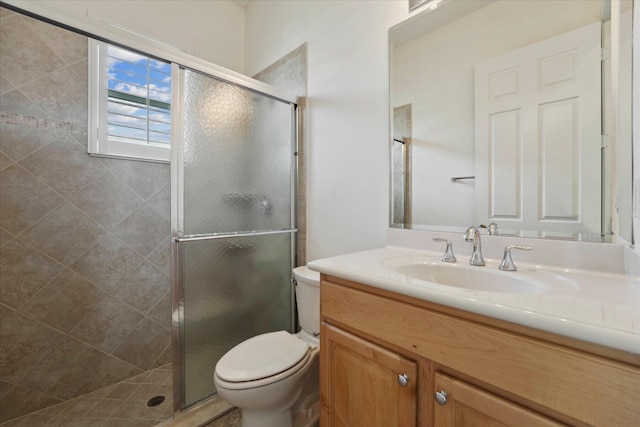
(493, 373)
(370, 385)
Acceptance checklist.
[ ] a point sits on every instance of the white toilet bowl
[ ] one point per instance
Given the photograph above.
(264, 375)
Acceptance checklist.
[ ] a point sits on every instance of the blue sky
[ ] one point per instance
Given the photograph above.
(138, 75)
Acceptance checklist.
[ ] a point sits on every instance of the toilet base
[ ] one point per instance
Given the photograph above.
(310, 417)
(266, 418)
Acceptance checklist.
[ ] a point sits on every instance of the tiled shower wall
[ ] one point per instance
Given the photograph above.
(84, 242)
(289, 73)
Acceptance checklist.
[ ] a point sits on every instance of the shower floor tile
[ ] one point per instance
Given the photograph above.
(119, 405)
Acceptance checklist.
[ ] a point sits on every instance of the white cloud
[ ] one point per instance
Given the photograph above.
(142, 90)
(125, 109)
(121, 54)
(123, 120)
(162, 118)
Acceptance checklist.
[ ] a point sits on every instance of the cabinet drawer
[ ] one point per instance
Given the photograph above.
(588, 388)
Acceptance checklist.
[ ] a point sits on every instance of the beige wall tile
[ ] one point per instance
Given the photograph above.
(70, 46)
(5, 86)
(23, 272)
(64, 369)
(161, 256)
(64, 234)
(23, 199)
(145, 344)
(107, 324)
(143, 230)
(161, 202)
(5, 161)
(112, 371)
(60, 95)
(144, 287)
(161, 312)
(107, 200)
(64, 302)
(52, 206)
(4, 388)
(145, 178)
(25, 343)
(25, 56)
(64, 165)
(19, 141)
(21, 401)
(17, 103)
(107, 263)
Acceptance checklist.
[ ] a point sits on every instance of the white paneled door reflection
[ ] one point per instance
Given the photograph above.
(537, 130)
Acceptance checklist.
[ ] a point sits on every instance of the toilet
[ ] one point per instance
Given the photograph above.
(265, 376)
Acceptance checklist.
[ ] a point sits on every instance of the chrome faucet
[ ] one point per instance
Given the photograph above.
(473, 235)
(507, 262)
(448, 253)
(492, 229)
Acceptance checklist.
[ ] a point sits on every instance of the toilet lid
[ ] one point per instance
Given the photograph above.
(261, 356)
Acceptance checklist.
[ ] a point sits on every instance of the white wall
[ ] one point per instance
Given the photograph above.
(636, 125)
(211, 30)
(348, 111)
(443, 104)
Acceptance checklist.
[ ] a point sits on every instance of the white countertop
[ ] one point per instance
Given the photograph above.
(601, 308)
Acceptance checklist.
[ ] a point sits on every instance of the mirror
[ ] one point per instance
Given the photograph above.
(508, 112)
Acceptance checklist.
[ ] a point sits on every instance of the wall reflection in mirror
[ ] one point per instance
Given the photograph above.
(520, 99)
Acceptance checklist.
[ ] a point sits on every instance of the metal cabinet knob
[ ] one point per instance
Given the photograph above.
(403, 380)
(441, 397)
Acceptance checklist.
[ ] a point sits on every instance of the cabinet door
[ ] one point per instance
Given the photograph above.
(363, 384)
(469, 406)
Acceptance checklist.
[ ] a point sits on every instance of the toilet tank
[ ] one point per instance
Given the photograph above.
(308, 298)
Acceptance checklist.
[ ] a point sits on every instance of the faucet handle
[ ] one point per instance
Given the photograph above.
(448, 254)
(492, 229)
(507, 262)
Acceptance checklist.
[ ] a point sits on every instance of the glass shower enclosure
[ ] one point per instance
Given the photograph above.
(233, 223)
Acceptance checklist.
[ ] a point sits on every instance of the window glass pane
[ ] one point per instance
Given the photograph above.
(139, 108)
(158, 115)
(159, 95)
(128, 134)
(127, 56)
(129, 121)
(159, 137)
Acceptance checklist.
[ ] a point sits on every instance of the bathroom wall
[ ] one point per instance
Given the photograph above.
(347, 118)
(347, 105)
(636, 128)
(347, 111)
(211, 30)
(289, 73)
(84, 242)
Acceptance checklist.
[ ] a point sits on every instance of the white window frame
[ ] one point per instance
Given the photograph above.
(98, 142)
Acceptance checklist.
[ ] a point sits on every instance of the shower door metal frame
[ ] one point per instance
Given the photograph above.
(177, 214)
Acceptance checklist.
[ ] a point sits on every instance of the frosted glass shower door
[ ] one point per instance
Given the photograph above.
(233, 223)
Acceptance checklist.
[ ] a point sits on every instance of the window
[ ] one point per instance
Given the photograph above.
(129, 104)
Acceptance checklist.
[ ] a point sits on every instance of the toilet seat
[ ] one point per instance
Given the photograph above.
(262, 360)
(244, 385)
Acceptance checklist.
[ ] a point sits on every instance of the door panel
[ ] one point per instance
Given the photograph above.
(233, 289)
(469, 406)
(238, 158)
(232, 224)
(364, 390)
(538, 137)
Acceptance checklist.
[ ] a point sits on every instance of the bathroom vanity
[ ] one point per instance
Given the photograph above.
(401, 351)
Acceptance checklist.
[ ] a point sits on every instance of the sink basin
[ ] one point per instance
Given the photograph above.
(487, 279)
